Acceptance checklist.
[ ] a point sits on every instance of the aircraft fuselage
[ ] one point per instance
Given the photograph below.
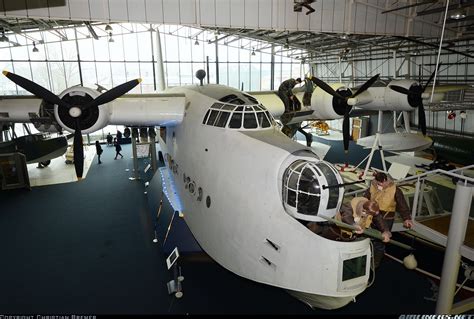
(240, 219)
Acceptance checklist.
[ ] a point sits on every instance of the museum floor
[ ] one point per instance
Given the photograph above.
(86, 248)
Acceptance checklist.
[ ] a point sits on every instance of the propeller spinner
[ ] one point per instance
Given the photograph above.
(75, 111)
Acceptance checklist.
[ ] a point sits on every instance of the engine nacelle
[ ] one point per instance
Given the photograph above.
(397, 101)
(325, 106)
(92, 119)
(386, 99)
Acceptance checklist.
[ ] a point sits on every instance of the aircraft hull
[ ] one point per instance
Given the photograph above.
(320, 301)
(398, 142)
(249, 232)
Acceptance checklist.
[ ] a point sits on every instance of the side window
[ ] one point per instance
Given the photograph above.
(205, 117)
(222, 119)
(212, 117)
(236, 120)
(262, 120)
(270, 118)
(249, 120)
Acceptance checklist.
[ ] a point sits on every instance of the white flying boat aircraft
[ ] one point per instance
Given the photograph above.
(245, 189)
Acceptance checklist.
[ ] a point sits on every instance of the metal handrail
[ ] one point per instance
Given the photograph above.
(426, 175)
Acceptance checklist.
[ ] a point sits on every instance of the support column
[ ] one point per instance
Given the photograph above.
(452, 256)
(152, 135)
(154, 164)
(134, 153)
(340, 70)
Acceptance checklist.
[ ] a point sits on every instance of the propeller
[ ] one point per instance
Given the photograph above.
(75, 111)
(340, 101)
(415, 99)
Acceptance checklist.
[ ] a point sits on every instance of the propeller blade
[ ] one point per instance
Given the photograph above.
(112, 94)
(366, 85)
(326, 88)
(399, 89)
(78, 151)
(421, 118)
(345, 132)
(35, 89)
(431, 77)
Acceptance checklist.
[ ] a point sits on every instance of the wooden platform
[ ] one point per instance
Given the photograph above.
(441, 225)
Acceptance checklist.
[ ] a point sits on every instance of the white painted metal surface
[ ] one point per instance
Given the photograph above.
(240, 171)
(398, 142)
(330, 15)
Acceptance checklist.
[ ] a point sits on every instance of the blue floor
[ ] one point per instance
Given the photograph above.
(86, 248)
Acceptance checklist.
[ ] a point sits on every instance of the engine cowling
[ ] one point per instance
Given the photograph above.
(92, 119)
(401, 102)
(327, 107)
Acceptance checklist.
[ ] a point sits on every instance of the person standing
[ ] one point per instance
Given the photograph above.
(99, 150)
(109, 139)
(285, 92)
(390, 199)
(308, 90)
(119, 136)
(118, 148)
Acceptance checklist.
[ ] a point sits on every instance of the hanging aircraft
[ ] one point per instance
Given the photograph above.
(245, 189)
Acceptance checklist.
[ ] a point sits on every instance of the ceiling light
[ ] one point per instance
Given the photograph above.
(253, 51)
(287, 44)
(344, 37)
(196, 42)
(111, 39)
(458, 14)
(35, 49)
(108, 27)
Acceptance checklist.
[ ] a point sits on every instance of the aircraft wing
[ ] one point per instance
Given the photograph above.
(133, 109)
(148, 109)
(18, 108)
(271, 101)
(447, 88)
(169, 188)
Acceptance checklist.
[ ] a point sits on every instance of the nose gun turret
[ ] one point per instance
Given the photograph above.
(305, 191)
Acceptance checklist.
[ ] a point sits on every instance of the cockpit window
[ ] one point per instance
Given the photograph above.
(205, 117)
(249, 120)
(212, 117)
(263, 120)
(236, 120)
(251, 98)
(232, 99)
(222, 119)
(246, 117)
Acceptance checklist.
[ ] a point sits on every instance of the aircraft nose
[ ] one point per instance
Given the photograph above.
(304, 193)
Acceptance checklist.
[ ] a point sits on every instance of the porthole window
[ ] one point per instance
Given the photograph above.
(192, 187)
(199, 198)
(208, 201)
